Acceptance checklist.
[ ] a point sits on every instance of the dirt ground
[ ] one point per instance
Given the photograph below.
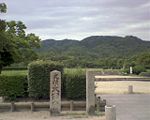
(44, 115)
(121, 87)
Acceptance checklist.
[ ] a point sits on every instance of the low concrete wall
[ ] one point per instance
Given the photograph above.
(37, 106)
(44, 106)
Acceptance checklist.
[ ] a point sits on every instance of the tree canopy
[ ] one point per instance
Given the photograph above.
(15, 44)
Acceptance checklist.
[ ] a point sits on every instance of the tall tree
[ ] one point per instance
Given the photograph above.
(3, 7)
(144, 60)
(15, 44)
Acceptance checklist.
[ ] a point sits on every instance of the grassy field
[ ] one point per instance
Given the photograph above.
(66, 70)
(14, 72)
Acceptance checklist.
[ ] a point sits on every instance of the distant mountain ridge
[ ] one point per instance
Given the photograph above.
(96, 46)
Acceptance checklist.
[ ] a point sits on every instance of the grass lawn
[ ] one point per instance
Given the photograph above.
(14, 72)
(66, 70)
(121, 87)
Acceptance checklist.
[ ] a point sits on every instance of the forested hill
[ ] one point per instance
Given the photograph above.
(95, 46)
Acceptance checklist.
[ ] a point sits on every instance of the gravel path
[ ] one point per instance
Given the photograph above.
(44, 115)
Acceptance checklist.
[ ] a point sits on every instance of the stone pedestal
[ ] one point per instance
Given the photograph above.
(90, 95)
(32, 107)
(90, 91)
(55, 93)
(110, 112)
(71, 105)
(12, 107)
(130, 89)
(1, 99)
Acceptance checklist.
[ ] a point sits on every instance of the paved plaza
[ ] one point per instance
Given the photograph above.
(130, 106)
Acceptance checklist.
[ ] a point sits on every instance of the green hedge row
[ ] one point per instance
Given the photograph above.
(38, 83)
(75, 85)
(13, 86)
(39, 78)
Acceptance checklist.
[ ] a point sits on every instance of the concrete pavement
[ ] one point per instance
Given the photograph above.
(130, 106)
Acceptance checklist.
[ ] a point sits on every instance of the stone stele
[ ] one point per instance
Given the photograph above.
(55, 93)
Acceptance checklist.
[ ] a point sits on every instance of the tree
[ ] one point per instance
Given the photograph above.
(144, 60)
(3, 7)
(15, 44)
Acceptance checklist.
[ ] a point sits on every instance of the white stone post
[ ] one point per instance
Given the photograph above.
(55, 93)
(131, 70)
(110, 112)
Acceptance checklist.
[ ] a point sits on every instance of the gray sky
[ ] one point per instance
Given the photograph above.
(77, 19)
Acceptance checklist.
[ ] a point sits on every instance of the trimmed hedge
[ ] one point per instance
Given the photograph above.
(75, 85)
(12, 87)
(39, 78)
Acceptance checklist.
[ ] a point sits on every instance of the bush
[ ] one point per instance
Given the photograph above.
(75, 85)
(138, 69)
(39, 78)
(126, 71)
(12, 87)
(146, 74)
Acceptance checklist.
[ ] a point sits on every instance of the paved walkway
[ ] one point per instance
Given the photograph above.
(44, 115)
(130, 106)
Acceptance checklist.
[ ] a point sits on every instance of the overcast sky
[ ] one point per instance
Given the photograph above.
(77, 19)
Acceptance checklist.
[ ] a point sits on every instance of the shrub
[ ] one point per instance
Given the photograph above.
(39, 78)
(12, 87)
(75, 85)
(138, 69)
(126, 71)
(146, 74)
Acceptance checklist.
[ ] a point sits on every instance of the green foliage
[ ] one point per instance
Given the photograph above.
(14, 72)
(12, 87)
(39, 77)
(15, 44)
(95, 51)
(144, 59)
(126, 70)
(145, 74)
(75, 85)
(3, 8)
(138, 69)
